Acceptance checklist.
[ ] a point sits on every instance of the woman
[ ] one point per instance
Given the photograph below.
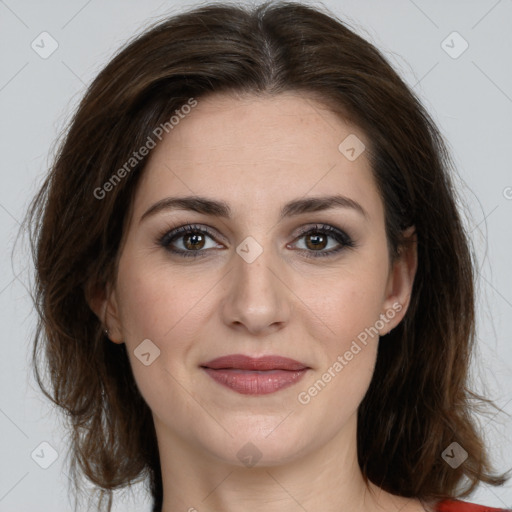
(253, 283)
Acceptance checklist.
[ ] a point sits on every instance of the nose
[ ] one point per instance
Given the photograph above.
(257, 298)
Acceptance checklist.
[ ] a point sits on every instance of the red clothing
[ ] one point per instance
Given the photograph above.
(464, 506)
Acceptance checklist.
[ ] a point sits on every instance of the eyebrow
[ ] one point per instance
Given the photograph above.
(221, 209)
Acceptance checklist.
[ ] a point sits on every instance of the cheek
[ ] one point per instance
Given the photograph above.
(352, 346)
(350, 304)
(167, 308)
(156, 303)
(350, 312)
(348, 356)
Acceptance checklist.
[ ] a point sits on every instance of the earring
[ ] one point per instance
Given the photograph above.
(106, 332)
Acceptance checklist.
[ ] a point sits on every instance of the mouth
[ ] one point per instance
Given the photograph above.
(255, 376)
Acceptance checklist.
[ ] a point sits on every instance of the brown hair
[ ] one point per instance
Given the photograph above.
(418, 402)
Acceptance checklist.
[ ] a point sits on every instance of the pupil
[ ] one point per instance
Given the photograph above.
(316, 240)
(194, 238)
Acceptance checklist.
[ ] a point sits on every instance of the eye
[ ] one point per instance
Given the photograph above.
(192, 239)
(316, 239)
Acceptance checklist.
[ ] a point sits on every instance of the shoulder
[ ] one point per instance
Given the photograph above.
(463, 506)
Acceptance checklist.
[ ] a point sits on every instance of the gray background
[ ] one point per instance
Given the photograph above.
(470, 97)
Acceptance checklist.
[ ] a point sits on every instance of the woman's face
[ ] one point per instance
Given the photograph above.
(257, 284)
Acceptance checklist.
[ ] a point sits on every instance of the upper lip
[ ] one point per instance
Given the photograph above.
(243, 362)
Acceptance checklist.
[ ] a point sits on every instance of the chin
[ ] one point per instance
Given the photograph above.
(253, 446)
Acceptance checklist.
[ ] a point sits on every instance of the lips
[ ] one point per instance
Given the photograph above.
(255, 376)
(242, 362)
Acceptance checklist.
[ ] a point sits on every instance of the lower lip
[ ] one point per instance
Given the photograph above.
(249, 382)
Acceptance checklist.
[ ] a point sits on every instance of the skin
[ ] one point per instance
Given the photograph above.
(257, 153)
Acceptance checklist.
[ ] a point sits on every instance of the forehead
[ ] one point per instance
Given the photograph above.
(255, 151)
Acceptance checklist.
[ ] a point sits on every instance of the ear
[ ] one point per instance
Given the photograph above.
(103, 302)
(401, 280)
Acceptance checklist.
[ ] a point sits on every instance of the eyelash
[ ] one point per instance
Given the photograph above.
(341, 237)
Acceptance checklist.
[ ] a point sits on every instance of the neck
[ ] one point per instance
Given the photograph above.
(327, 479)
